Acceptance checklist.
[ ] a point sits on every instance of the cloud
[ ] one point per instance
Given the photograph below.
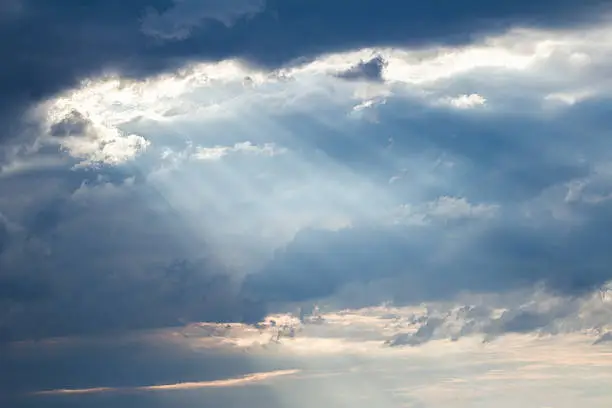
(447, 209)
(110, 36)
(92, 143)
(604, 338)
(178, 22)
(237, 363)
(493, 318)
(487, 318)
(244, 167)
(73, 124)
(230, 382)
(179, 178)
(424, 260)
(217, 152)
(158, 275)
(465, 101)
(371, 70)
(422, 335)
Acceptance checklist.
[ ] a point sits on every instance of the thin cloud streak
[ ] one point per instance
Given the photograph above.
(229, 382)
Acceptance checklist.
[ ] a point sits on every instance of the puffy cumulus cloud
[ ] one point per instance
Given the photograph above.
(465, 101)
(94, 144)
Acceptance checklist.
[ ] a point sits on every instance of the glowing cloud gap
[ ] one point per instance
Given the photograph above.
(229, 382)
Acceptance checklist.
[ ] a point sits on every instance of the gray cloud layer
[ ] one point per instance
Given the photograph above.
(102, 250)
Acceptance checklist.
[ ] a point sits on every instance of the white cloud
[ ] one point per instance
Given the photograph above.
(105, 146)
(570, 97)
(445, 208)
(465, 101)
(218, 152)
(212, 153)
(229, 382)
(84, 135)
(458, 207)
(367, 109)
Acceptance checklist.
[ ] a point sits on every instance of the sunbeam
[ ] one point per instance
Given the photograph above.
(267, 203)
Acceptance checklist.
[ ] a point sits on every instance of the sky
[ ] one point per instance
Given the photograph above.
(304, 203)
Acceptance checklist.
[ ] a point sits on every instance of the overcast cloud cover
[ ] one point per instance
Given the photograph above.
(437, 176)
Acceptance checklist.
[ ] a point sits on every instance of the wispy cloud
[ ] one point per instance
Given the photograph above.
(230, 382)
(217, 152)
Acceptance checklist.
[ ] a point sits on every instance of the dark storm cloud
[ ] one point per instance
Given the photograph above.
(422, 335)
(97, 259)
(108, 263)
(48, 217)
(604, 338)
(74, 124)
(371, 70)
(111, 256)
(318, 263)
(87, 298)
(423, 266)
(54, 45)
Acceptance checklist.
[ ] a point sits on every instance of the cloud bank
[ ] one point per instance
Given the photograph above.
(178, 162)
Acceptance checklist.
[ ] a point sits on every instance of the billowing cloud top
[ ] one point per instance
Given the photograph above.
(165, 162)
